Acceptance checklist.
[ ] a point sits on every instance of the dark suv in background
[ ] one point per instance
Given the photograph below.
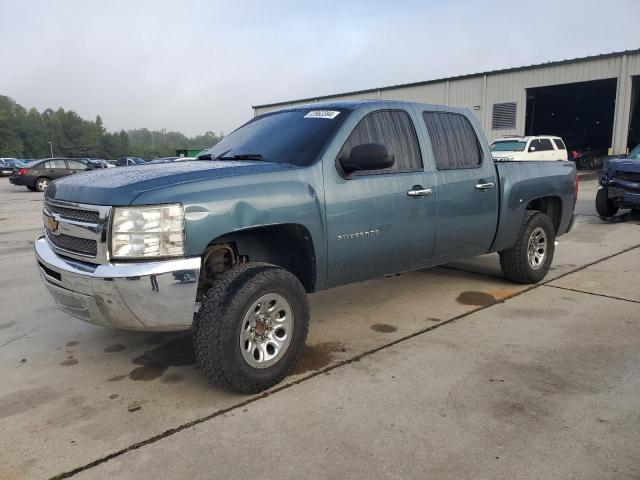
(37, 175)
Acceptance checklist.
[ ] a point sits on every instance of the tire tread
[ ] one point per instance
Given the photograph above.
(513, 261)
(214, 325)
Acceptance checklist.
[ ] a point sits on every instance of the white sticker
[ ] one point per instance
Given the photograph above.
(330, 114)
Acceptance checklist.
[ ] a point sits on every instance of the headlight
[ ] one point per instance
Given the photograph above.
(142, 232)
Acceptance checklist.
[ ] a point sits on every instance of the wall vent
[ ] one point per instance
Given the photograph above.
(504, 116)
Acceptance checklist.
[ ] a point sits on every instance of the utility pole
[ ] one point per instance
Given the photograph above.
(51, 148)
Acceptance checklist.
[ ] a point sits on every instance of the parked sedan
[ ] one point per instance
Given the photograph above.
(129, 161)
(37, 175)
(7, 165)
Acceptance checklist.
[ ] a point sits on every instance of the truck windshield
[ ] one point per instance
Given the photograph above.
(290, 136)
(508, 146)
(635, 153)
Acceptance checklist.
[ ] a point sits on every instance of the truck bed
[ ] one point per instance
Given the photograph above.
(524, 182)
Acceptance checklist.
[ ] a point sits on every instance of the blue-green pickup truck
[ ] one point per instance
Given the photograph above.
(294, 201)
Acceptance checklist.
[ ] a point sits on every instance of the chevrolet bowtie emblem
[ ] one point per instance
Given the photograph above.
(52, 225)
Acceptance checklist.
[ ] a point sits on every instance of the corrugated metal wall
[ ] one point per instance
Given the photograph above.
(479, 93)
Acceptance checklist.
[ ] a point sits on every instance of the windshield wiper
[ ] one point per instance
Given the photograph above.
(243, 156)
(208, 156)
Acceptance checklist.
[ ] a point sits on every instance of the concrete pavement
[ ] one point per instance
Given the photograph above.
(84, 393)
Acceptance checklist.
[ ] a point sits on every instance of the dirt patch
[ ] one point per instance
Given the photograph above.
(172, 378)
(316, 357)
(478, 299)
(117, 378)
(118, 347)
(134, 406)
(69, 361)
(154, 363)
(501, 295)
(22, 401)
(113, 396)
(72, 343)
(6, 325)
(383, 328)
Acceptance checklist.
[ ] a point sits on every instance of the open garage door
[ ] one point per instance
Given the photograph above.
(634, 124)
(581, 113)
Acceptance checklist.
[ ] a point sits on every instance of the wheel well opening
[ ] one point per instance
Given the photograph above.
(289, 246)
(552, 206)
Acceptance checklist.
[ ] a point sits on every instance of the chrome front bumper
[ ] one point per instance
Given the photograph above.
(153, 296)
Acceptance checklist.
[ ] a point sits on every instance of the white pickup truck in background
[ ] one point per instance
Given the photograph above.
(542, 147)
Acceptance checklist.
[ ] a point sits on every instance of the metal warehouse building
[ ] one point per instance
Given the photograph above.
(592, 102)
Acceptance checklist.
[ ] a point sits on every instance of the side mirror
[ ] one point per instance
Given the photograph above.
(367, 156)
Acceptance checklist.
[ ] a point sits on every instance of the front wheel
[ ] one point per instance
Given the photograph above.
(529, 259)
(604, 205)
(251, 327)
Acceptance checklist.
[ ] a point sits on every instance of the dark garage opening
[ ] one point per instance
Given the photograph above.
(581, 113)
(634, 123)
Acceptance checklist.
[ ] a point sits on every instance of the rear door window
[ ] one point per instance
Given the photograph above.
(544, 144)
(560, 144)
(393, 129)
(55, 164)
(453, 140)
(76, 165)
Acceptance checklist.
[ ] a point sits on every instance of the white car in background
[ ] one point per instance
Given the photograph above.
(540, 147)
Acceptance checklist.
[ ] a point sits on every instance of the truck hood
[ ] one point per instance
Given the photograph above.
(624, 165)
(505, 153)
(120, 186)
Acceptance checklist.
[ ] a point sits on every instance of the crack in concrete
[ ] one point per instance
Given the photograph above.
(357, 358)
(592, 293)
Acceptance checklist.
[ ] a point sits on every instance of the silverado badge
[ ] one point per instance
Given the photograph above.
(350, 236)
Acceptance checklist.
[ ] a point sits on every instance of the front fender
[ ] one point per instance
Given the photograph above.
(225, 206)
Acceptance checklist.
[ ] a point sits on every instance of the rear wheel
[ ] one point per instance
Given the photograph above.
(529, 259)
(251, 327)
(604, 205)
(42, 183)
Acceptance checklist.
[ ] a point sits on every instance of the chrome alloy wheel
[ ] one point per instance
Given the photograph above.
(266, 330)
(537, 248)
(42, 184)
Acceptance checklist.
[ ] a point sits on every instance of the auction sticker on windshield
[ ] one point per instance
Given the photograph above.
(330, 114)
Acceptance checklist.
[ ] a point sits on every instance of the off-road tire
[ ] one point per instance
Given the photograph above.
(514, 261)
(33, 189)
(604, 205)
(219, 320)
(38, 186)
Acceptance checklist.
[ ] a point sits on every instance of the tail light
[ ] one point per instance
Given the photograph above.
(576, 185)
(22, 171)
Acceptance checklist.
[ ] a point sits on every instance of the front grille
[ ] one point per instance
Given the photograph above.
(76, 214)
(81, 246)
(628, 176)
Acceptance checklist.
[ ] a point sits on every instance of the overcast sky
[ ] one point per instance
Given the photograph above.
(194, 66)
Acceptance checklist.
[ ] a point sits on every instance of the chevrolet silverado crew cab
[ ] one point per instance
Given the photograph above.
(294, 201)
(542, 147)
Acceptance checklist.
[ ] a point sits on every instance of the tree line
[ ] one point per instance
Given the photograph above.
(33, 134)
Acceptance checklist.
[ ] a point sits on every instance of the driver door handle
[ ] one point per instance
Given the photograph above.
(419, 191)
(485, 186)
